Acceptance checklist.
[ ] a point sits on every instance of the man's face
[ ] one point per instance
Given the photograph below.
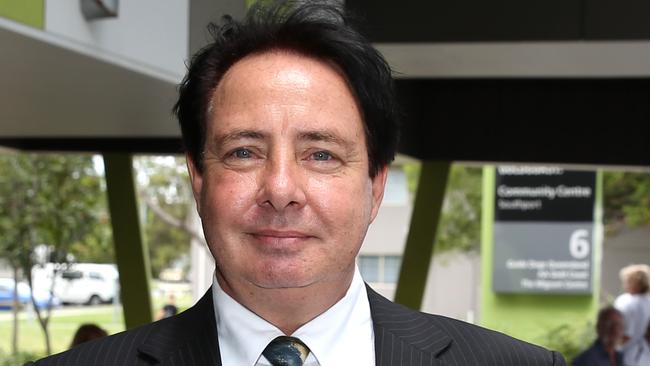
(285, 196)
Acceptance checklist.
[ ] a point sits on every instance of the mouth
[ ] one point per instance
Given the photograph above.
(280, 238)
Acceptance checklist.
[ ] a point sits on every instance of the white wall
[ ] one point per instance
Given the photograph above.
(453, 286)
(387, 234)
(151, 32)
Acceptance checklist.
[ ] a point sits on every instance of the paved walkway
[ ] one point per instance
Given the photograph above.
(7, 315)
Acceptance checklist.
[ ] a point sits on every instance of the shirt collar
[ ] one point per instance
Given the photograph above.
(341, 332)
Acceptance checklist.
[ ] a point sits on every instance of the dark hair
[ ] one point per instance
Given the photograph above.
(604, 320)
(317, 29)
(87, 332)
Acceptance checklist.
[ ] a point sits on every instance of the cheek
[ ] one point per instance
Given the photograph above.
(343, 202)
(227, 194)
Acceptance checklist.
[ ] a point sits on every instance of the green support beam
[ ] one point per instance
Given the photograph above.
(422, 233)
(28, 12)
(131, 253)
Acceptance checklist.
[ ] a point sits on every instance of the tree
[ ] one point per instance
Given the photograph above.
(15, 226)
(626, 200)
(166, 200)
(54, 199)
(460, 222)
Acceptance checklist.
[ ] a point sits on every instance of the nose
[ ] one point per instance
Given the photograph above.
(282, 185)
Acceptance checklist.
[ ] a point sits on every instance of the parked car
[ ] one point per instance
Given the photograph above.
(24, 297)
(81, 283)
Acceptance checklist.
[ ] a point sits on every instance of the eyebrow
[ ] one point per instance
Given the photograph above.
(239, 135)
(245, 134)
(325, 136)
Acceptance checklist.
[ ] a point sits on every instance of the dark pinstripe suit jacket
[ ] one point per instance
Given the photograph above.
(402, 337)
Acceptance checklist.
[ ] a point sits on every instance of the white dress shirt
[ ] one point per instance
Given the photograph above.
(342, 335)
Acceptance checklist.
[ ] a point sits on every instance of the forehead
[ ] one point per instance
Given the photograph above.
(267, 88)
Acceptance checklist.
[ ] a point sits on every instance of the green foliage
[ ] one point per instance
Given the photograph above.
(412, 171)
(166, 243)
(18, 359)
(17, 215)
(569, 339)
(460, 222)
(54, 199)
(51, 199)
(627, 199)
(163, 181)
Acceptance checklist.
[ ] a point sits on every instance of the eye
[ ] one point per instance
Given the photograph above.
(321, 156)
(242, 154)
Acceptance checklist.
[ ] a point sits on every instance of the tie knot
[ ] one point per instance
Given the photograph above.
(286, 351)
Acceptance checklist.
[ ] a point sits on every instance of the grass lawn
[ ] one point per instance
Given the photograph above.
(63, 325)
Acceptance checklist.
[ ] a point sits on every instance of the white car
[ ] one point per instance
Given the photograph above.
(84, 283)
(41, 296)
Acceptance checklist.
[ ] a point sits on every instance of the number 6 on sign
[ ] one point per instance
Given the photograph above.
(579, 245)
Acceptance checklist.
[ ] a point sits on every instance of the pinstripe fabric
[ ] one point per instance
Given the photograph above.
(402, 337)
(189, 338)
(406, 337)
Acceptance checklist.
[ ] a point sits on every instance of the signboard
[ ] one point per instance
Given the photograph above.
(543, 230)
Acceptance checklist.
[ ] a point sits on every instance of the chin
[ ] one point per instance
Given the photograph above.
(279, 284)
(278, 279)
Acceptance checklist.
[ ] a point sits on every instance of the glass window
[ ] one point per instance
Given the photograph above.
(369, 267)
(396, 192)
(391, 268)
(71, 275)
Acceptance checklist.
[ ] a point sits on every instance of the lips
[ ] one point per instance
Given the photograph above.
(280, 237)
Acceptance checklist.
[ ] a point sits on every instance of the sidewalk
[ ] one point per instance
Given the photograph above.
(63, 311)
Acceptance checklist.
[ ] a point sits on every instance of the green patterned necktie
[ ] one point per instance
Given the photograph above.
(286, 351)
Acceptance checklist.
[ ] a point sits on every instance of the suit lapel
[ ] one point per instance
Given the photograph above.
(404, 336)
(188, 338)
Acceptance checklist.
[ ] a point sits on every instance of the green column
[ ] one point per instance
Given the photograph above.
(422, 233)
(130, 251)
(28, 12)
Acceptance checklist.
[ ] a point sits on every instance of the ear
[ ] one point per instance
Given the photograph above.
(378, 186)
(196, 179)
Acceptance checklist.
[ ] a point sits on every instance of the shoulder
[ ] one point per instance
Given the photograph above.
(623, 301)
(585, 358)
(453, 341)
(483, 346)
(125, 348)
(184, 332)
(117, 349)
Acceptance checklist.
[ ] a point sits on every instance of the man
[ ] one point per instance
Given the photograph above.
(609, 329)
(289, 123)
(634, 304)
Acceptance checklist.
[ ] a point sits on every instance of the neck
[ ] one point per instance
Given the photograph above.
(609, 347)
(288, 308)
(611, 353)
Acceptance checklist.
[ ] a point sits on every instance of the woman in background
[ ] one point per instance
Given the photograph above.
(634, 304)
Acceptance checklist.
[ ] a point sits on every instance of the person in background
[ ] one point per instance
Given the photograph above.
(634, 304)
(87, 332)
(603, 352)
(170, 308)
